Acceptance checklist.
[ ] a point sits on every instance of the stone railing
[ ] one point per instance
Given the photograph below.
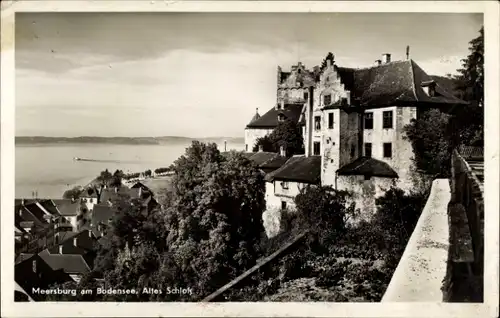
(424, 264)
(466, 213)
(443, 260)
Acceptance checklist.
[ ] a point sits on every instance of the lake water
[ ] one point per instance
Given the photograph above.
(51, 170)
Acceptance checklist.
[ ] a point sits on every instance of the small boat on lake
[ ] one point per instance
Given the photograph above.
(77, 158)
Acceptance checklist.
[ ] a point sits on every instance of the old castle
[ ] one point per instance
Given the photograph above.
(352, 122)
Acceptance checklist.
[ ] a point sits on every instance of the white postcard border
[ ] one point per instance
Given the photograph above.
(492, 55)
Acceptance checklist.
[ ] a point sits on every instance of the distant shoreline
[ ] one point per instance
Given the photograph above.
(41, 140)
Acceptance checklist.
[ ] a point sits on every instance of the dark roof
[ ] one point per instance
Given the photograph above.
(22, 257)
(368, 167)
(299, 169)
(255, 116)
(274, 163)
(259, 158)
(36, 211)
(101, 213)
(270, 119)
(67, 207)
(49, 206)
(116, 193)
(23, 214)
(393, 83)
(69, 263)
(26, 201)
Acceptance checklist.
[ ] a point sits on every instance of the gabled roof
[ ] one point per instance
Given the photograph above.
(392, 83)
(69, 263)
(270, 119)
(116, 193)
(298, 169)
(259, 158)
(255, 116)
(365, 166)
(36, 211)
(49, 206)
(101, 213)
(67, 207)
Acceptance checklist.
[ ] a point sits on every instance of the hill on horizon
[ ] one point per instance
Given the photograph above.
(122, 140)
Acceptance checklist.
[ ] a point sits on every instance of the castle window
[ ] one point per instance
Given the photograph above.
(327, 99)
(387, 115)
(246, 147)
(330, 121)
(317, 122)
(306, 95)
(284, 185)
(283, 205)
(368, 120)
(387, 150)
(353, 151)
(317, 148)
(368, 149)
(34, 266)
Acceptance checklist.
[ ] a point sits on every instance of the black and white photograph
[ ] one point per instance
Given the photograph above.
(265, 157)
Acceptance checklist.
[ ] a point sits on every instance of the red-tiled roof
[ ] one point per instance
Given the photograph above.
(298, 169)
(365, 166)
(270, 119)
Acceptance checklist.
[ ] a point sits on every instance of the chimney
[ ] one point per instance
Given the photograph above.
(282, 104)
(261, 148)
(386, 58)
(22, 201)
(116, 189)
(282, 151)
(60, 249)
(90, 233)
(75, 241)
(140, 192)
(378, 62)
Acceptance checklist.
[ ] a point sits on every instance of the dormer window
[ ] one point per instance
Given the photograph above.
(429, 88)
(281, 117)
(327, 99)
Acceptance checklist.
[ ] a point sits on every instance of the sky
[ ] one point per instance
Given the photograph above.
(200, 74)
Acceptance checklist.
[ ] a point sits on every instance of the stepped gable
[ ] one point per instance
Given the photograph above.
(365, 166)
(298, 169)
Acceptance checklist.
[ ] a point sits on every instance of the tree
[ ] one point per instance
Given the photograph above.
(266, 143)
(330, 57)
(323, 211)
(105, 177)
(287, 134)
(147, 173)
(73, 193)
(470, 85)
(215, 219)
(431, 142)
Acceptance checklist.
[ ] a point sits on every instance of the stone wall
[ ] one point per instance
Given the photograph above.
(402, 151)
(252, 134)
(364, 192)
